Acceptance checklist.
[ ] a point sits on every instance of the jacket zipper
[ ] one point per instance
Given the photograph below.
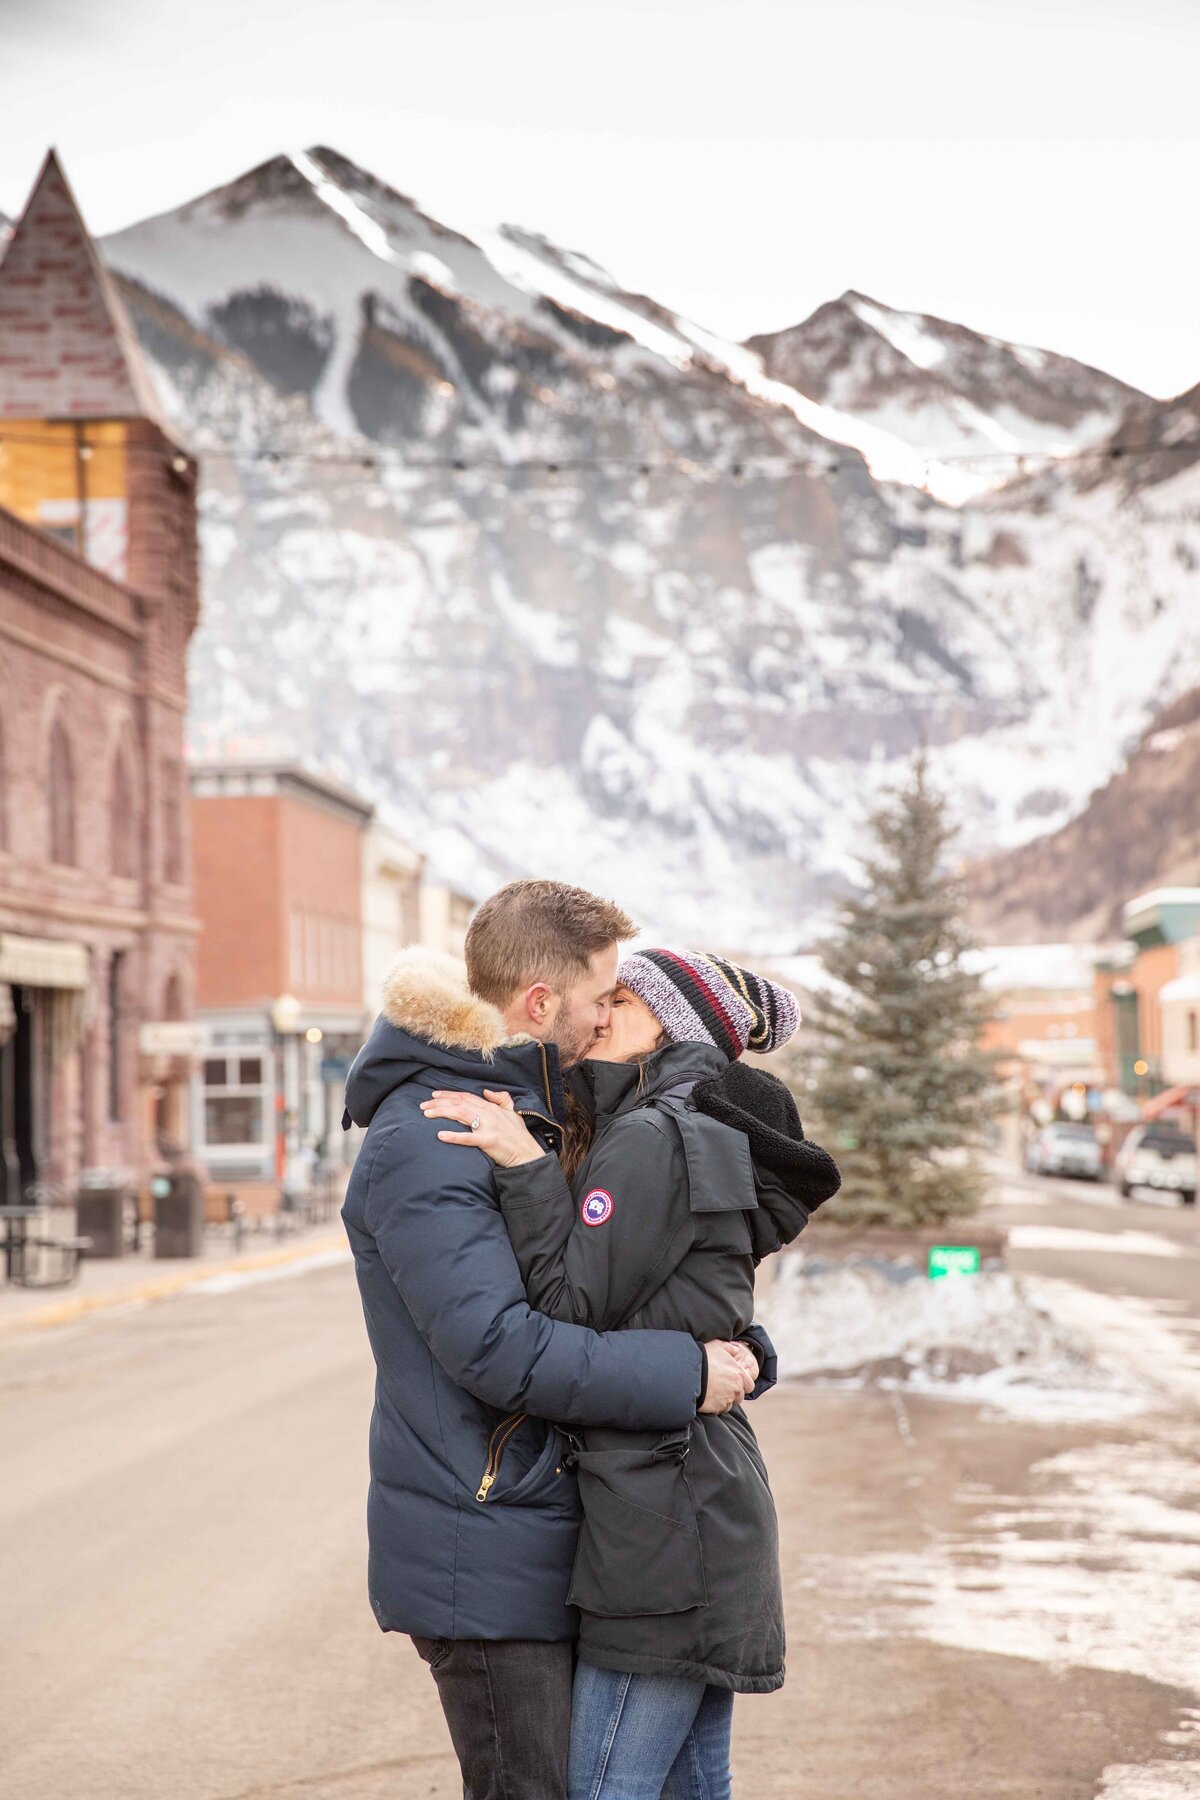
(546, 1117)
(496, 1447)
(498, 1441)
(524, 1112)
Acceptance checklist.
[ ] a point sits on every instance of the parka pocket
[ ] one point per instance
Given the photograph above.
(639, 1550)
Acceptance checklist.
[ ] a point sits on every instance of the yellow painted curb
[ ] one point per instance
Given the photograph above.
(64, 1312)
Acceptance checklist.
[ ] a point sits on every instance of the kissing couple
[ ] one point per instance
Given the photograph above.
(568, 1179)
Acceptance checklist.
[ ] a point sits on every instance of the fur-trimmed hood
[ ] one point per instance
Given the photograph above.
(426, 994)
(434, 1030)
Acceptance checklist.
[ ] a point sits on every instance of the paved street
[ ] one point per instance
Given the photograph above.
(182, 1561)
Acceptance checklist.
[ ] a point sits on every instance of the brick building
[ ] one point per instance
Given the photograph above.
(279, 886)
(98, 599)
(1142, 1043)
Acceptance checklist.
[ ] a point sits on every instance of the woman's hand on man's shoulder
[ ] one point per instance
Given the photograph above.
(493, 1125)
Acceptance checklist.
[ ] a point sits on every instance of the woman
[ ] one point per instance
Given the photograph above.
(690, 1168)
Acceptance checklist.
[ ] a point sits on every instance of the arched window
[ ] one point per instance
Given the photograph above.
(61, 785)
(3, 794)
(122, 824)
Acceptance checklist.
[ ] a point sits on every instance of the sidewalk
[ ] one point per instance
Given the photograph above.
(139, 1280)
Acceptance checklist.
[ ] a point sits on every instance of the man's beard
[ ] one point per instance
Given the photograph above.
(574, 1043)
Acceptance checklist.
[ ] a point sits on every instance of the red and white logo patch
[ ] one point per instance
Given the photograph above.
(597, 1207)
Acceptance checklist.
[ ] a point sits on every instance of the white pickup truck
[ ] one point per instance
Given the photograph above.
(1160, 1156)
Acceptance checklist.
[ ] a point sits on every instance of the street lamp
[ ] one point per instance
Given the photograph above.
(285, 1017)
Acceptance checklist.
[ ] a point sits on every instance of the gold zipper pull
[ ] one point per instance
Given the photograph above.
(484, 1486)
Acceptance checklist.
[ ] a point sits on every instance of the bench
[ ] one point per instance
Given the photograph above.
(55, 1262)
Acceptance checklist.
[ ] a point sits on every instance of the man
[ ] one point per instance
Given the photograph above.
(472, 1521)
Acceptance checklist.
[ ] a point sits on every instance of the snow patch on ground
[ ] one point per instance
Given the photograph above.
(990, 1338)
(1156, 1781)
(1098, 1570)
(1064, 1237)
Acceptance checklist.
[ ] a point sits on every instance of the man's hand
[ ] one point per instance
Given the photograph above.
(732, 1372)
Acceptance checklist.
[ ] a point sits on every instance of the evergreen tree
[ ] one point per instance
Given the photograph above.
(901, 1086)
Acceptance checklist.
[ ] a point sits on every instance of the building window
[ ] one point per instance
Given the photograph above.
(3, 795)
(235, 1101)
(1193, 1031)
(61, 787)
(116, 1070)
(172, 823)
(122, 823)
(296, 954)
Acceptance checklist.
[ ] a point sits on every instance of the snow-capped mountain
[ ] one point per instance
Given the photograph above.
(944, 389)
(571, 585)
(1139, 831)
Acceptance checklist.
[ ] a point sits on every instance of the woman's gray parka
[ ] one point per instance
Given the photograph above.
(678, 1565)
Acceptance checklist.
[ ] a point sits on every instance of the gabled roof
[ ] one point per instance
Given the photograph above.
(67, 347)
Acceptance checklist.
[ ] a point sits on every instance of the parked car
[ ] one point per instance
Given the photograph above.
(1065, 1149)
(1158, 1155)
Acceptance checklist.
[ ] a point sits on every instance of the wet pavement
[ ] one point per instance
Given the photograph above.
(981, 1604)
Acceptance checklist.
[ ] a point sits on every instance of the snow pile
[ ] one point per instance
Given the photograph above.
(983, 1337)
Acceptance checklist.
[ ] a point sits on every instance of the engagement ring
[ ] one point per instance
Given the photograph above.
(476, 1122)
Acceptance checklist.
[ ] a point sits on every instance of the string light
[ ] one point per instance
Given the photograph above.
(1023, 462)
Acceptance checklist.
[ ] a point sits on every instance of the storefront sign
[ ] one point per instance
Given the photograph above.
(174, 1037)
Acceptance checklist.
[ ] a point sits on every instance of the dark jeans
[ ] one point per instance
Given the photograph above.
(508, 1706)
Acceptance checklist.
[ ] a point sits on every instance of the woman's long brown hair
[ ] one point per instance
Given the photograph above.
(578, 1126)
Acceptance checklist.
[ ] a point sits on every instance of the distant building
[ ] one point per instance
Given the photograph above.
(446, 912)
(98, 599)
(279, 888)
(391, 905)
(1179, 1005)
(1042, 1011)
(1131, 985)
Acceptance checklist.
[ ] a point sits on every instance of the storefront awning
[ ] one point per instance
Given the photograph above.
(42, 962)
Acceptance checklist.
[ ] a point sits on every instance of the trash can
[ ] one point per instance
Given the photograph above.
(178, 1196)
(100, 1214)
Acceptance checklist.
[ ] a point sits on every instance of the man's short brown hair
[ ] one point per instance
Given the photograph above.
(538, 931)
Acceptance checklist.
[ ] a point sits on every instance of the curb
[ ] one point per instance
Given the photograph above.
(65, 1312)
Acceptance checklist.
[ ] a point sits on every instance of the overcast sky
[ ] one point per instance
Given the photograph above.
(1029, 167)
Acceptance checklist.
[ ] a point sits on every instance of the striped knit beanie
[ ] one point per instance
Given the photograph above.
(703, 999)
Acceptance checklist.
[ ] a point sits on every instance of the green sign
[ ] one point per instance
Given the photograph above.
(953, 1259)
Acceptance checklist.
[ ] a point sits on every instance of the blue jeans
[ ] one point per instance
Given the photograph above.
(639, 1737)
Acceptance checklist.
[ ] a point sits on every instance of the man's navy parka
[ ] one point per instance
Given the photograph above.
(472, 1522)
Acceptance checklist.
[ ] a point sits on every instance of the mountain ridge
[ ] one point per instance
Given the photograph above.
(559, 577)
(963, 392)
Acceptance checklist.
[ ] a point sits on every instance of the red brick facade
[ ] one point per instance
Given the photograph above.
(94, 816)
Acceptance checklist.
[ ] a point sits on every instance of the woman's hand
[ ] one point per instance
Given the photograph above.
(493, 1125)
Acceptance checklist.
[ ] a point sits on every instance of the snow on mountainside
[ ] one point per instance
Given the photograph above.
(943, 389)
(572, 586)
(1139, 831)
